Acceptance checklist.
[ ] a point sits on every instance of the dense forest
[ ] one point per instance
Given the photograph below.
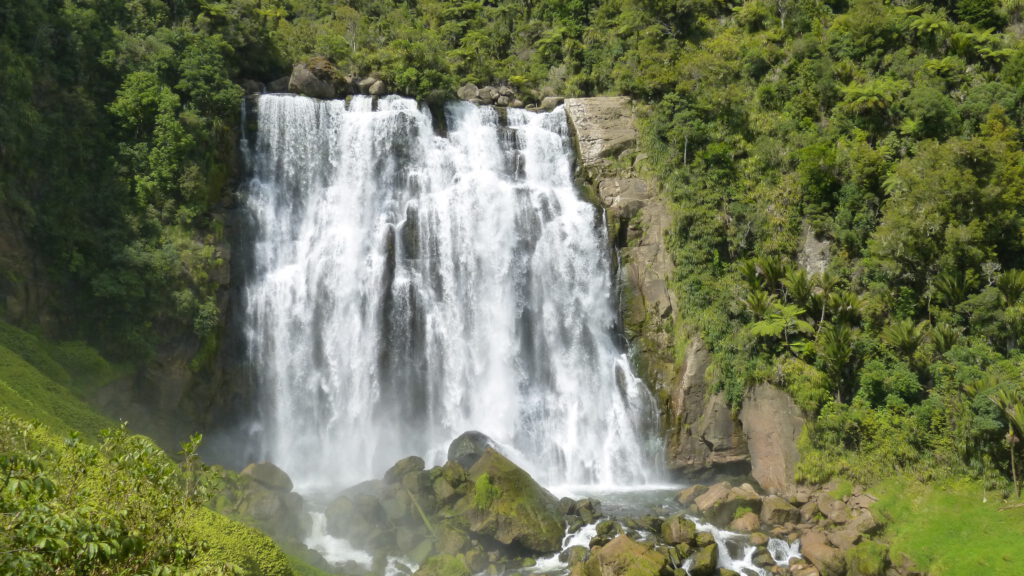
(889, 131)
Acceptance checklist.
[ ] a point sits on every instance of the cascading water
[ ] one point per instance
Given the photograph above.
(407, 287)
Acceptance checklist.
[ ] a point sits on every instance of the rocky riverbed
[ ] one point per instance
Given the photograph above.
(480, 513)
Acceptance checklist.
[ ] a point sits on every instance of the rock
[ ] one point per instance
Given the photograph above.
(444, 565)
(312, 80)
(827, 559)
(410, 465)
(549, 103)
(814, 252)
(503, 101)
(506, 91)
(705, 561)
(516, 103)
(487, 94)
(515, 510)
(278, 86)
(864, 522)
(624, 557)
(364, 84)
(727, 572)
(772, 422)
(467, 92)
(758, 539)
(252, 86)
(686, 496)
(677, 529)
(268, 475)
(808, 511)
(720, 503)
(468, 448)
(378, 88)
(703, 433)
(776, 511)
(804, 570)
(867, 559)
(748, 522)
(844, 539)
(704, 539)
(833, 509)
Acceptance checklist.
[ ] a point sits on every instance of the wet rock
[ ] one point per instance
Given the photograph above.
(704, 539)
(468, 448)
(549, 103)
(444, 565)
(772, 423)
(468, 91)
(624, 557)
(686, 496)
(378, 88)
(410, 465)
(268, 475)
(677, 529)
(758, 539)
(826, 558)
(776, 511)
(503, 101)
(705, 561)
(515, 510)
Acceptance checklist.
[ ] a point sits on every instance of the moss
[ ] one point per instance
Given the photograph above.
(484, 493)
(230, 543)
(444, 565)
(741, 512)
(867, 559)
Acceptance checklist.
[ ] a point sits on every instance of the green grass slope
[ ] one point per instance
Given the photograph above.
(952, 528)
(82, 495)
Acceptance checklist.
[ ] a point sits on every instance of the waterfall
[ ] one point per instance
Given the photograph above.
(406, 287)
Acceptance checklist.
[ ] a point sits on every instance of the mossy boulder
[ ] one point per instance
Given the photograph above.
(677, 529)
(444, 565)
(506, 504)
(705, 561)
(624, 557)
(867, 559)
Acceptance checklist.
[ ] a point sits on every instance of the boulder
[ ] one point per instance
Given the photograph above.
(826, 558)
(467, 91)
(506, 504)
(772, 423)
(364, 84)
(705, 560)
(748, 522)
(808, 511)
(776, 511)
(624, 557)
(833, 509)
(487, 94)
(410, 465)
(312, 81)
(468, 448)
(506, 91)
(268, 475)
(503, 101)
(516, 103)
(549, 103)
(677, 529)
(867, 559)
(720, 503)
(844, 539)
(444, 565)
(378, 88)
(686, 496)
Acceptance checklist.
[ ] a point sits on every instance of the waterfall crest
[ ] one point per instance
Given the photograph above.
(407, 287)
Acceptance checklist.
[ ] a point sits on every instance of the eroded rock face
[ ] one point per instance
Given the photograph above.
(638, 220)
(702, 431)
(772, 423)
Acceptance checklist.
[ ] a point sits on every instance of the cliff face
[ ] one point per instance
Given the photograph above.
(702, 432)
